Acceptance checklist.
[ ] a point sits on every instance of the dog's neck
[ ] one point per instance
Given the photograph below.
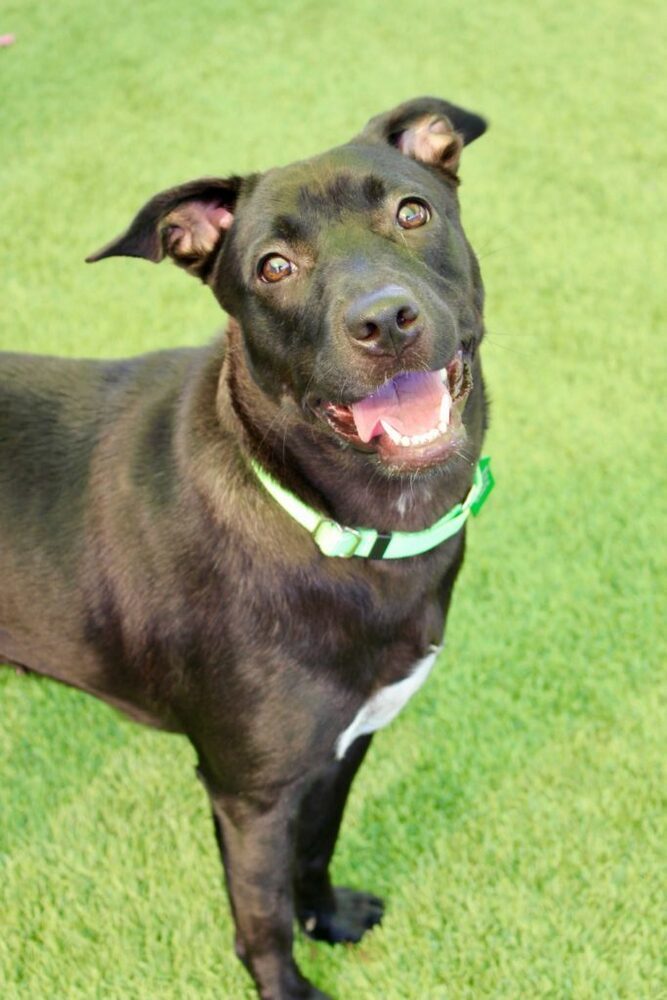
(348, 485)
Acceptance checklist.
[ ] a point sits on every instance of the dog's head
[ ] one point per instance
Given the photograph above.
(359, 297)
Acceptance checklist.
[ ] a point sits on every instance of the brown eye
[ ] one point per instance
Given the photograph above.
(412, 214)
(274, 268)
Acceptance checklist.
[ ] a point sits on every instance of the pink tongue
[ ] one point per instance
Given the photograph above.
(410, 403)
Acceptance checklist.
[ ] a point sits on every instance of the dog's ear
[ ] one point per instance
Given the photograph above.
(185, 223)
(427, 129)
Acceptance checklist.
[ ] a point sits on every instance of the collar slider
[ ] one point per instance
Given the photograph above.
(334, 539)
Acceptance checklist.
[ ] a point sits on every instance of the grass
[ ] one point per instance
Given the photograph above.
(514, 814)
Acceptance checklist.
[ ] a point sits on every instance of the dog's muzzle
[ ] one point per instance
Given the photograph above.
(413, 421)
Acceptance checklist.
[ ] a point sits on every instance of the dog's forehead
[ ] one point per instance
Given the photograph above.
(347, 178)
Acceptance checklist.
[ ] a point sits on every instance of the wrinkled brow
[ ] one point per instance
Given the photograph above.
(291, 229)
(344, 192)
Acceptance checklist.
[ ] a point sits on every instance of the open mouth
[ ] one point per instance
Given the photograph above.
(412, 421)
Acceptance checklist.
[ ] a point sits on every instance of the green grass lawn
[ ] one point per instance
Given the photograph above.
(514, 815)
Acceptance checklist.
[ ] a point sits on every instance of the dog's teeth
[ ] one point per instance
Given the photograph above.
(391, 432)
(445, 407)
(444, 377)
(419, 439)
(415, 440)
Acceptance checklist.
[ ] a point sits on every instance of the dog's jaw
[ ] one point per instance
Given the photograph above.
(442, 436)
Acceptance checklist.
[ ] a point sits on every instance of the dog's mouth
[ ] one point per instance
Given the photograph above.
(413, 421)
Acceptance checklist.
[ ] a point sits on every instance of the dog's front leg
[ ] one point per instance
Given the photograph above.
(255, 834)
(330, 913)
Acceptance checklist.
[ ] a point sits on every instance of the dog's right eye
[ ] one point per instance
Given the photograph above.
(412, 214)
(275, 267)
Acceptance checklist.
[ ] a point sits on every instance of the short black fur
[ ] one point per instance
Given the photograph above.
(143, 561)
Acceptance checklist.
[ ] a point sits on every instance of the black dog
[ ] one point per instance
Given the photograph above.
(173, 530)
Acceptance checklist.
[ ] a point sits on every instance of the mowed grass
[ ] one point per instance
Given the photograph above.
(514, 815)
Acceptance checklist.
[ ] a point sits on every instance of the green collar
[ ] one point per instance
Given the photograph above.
(335, 539)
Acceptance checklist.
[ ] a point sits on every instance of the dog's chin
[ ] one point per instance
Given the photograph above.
(396, 452)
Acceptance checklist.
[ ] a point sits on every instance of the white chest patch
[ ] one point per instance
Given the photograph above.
(385, 704)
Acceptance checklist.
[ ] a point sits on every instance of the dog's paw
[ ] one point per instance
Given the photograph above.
(354, 914)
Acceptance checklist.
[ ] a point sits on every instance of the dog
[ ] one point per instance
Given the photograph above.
(254, 543)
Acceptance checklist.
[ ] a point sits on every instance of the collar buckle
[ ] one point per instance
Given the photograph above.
(334, 539)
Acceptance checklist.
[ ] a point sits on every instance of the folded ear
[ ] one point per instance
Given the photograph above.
(185, 223)
(427, 129)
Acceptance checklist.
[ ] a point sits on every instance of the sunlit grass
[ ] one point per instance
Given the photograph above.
(514, 815)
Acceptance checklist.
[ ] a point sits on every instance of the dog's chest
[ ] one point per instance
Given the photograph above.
(386, 703)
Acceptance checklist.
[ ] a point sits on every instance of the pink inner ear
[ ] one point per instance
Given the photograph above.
(219, 216)
(428, 140)
(194, 227)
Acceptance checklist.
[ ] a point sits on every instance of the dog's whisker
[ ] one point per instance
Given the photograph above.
(494, 342)
(490, 246)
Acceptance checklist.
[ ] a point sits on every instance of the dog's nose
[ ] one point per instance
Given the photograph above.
(384, 321)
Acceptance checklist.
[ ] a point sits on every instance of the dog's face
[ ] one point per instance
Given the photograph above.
(358, 295)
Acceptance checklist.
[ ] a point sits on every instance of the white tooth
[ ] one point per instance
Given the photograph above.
(443, 376)
(443, 428)
(432, 435)
(445, 407)
(406, 442)
(391, 431)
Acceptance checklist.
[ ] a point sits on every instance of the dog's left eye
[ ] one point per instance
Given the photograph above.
(412, 214)
(275, 267)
